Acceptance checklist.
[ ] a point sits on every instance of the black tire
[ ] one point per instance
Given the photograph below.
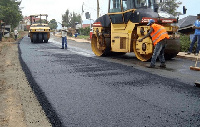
(172, 49)
(34, 37)
(45, 38)
(40, 37)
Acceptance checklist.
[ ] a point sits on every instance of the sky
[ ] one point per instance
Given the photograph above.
(192, 7)
(56, 8)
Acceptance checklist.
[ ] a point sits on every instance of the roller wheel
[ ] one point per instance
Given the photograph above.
(100, 46)
(45, 38)
(34, 37)
(40, 37)
(142, 57)
(172, 49)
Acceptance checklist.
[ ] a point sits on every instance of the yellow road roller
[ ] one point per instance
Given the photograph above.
(39, 30)
(126, 22)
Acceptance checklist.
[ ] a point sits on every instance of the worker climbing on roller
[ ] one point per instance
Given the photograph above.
(159, 35)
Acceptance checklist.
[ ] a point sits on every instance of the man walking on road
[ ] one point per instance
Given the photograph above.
(64, 37)
(196, 37)
(159, 36)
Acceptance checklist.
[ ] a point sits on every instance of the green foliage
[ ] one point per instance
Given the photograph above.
(185, 43)
(83, 37)
(85, 31)
(71, 19)
(53, 24)
(170, 6)
(10, 12)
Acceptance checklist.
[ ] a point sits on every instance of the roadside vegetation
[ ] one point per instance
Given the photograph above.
(11, 38)
(85, 31)
(185, 43)
(83, 37)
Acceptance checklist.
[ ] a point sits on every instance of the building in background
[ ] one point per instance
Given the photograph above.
(27, 21)
(186, 24)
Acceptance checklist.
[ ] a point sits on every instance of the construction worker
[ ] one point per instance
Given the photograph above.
(64, 37)
(196, 37)
(159, 35)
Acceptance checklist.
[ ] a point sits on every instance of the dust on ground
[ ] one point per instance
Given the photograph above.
(18, 104)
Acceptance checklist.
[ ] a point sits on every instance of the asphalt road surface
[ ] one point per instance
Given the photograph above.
(78, 89)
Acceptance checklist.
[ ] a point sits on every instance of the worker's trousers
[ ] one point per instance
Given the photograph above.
(195, 38)
(64, 42)
(159, 52)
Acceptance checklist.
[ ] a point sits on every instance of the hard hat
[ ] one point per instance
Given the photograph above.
(150, 22)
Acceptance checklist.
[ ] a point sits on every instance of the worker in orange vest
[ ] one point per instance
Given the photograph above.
(159, 37)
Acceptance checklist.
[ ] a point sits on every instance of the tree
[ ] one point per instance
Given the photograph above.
(53, 24)
(75, 19)
(65, 18)
(71, 19)
(10, 12)
(170, 6)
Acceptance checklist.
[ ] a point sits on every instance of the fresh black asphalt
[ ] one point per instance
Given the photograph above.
(80, 91)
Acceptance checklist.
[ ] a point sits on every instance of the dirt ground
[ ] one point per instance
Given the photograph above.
(18, 104)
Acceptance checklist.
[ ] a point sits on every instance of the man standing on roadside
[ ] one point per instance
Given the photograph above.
(159, 35)
(64, 37)
(196, 37)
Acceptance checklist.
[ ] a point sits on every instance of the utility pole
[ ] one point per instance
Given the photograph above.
(97, 8)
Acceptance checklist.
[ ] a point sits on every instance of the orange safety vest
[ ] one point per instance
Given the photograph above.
(159, 33)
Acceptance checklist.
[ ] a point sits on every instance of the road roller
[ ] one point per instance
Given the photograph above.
(126, 22)
(39, 31)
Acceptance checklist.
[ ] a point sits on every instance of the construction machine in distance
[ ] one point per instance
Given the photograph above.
(39, 32)
(125, 23)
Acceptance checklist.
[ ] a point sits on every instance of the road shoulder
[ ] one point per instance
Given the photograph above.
(19, 106)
